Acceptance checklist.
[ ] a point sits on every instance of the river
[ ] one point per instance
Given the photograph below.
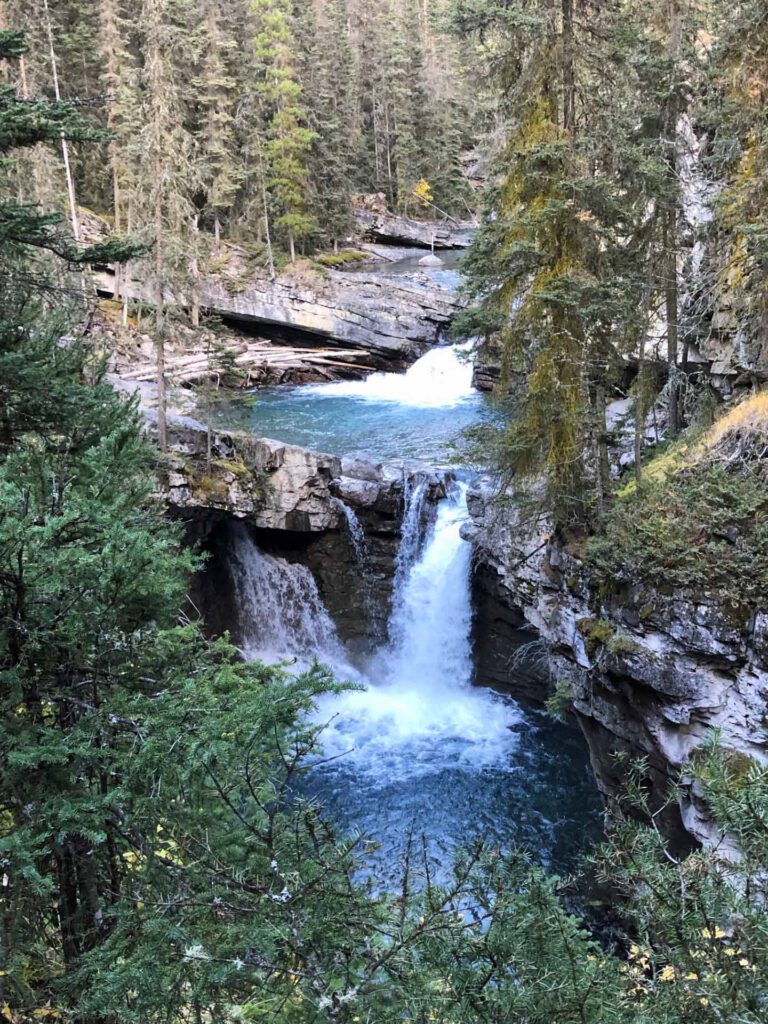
(423, 745)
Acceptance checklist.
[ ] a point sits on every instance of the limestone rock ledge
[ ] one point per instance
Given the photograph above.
(383, 226)
(298, 505)
(273, 485)
(279, 486)
(396, 319)
(649, 675)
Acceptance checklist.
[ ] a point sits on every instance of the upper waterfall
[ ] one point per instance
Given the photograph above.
(440, 379)
(432, 614)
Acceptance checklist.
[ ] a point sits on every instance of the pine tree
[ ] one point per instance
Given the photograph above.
(733, 114)
(120, 84)
(326, 69)
(215, 142)
(162, 204)
(287, 137)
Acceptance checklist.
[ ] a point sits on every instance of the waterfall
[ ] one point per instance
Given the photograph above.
(420, 711)
(281, 611)
(356, 533)
(415, 491)
(432, 610)
(440, 379)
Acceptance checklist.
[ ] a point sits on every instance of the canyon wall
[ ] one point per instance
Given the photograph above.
(649, 675)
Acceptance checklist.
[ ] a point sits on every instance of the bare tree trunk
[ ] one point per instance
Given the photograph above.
(126, 271)
(671, 288)
(569, 72)
(390, 185)
(640, 410)
(162, 403)
(217, 230)
(671, 298)
(376, 135)
(292, 246)
(116, 199)
(267, 232)
(195, 272)
(602, 464)
(64, 146)
(25, 95)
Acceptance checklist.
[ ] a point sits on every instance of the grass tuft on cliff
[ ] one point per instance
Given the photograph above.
(699, 520)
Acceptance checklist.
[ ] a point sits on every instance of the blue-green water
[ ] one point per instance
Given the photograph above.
(420, 414)
(420, 747)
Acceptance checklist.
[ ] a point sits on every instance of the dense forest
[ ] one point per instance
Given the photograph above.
(155, 861)
(626, 212)
(255, 121)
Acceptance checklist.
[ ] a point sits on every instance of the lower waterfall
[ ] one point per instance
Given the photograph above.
(419, 709)
(418, 747)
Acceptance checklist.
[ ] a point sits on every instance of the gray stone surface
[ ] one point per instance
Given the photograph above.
(382, 226)
(678, 666)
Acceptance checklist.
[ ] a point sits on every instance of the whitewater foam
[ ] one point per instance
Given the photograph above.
(440, 379)
(420, 712)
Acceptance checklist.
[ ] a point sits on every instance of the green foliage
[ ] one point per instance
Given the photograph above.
(342, 258)
(739, 158)
(581, 235)
(702, 528)
(25, 231)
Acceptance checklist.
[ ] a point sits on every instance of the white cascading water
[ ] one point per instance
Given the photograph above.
(356, 533)
(281, 612)
(420, 711)
(440, 379)
(411, 529)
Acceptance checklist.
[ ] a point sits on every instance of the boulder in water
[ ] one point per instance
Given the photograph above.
(431, 261)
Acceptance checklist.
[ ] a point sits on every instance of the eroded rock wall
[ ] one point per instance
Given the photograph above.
(297, 505)
(395, 318)
(649, 675)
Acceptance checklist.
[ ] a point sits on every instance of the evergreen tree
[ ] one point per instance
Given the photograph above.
(163, 201)
(327, 74)
(119, 81)
(287, 137)
(733, 113)
(215, 141)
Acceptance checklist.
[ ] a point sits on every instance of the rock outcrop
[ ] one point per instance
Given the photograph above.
(394, 318)
(275, 486)
(387, 227)
(648, 675)
(300, 505)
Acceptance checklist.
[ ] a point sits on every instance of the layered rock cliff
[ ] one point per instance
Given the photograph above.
(395, 318)
(648, 674)
(382, 226)
(300, 505)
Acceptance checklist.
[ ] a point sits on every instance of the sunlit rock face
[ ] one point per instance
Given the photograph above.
(383, 226)
(395, 318)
